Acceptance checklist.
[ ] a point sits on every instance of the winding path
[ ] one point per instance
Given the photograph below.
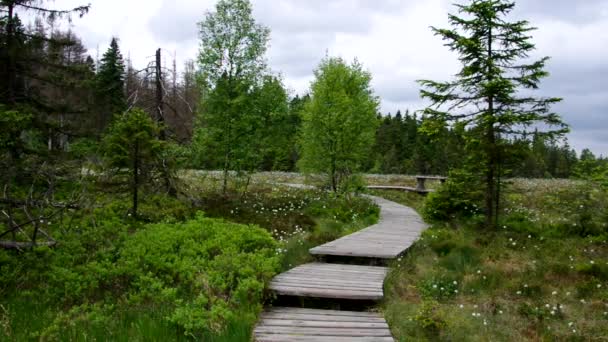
(399, 226)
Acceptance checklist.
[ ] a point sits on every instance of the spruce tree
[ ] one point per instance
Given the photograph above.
(492, 92)
(110, 85)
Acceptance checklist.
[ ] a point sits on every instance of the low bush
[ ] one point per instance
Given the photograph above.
(211, 271)
(457, 198)
(202, 275)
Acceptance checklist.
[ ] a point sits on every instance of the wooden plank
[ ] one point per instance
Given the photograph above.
(327, 293)
(315, 278)
(322, 324)
(353, 287)
(324, 318)
(398, 229)
(322, 331)
(316, 282)
(300, 338)
(322, 312)
(342, 267)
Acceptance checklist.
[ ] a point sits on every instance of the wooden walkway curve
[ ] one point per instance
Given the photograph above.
(399, 226)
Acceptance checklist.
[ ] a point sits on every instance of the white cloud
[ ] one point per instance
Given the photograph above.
(391, 38)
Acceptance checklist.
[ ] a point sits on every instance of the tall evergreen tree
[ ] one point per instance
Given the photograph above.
(14, 64)
(111, 85)
(486, 92)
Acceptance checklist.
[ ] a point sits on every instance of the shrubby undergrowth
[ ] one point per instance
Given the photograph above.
(172, 272)
(542, 275)
(202, 274)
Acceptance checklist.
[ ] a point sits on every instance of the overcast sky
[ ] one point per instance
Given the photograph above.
(391, 38)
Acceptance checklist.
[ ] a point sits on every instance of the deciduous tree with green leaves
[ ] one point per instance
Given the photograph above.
(231, 62)
(492, 93)
(339, 122)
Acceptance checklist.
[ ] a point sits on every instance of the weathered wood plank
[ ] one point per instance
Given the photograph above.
(327, 293)
(322, 331)
(321, 312)
(323, 324)
(315, 279)
(332, 281)
(398, 228)
(354, 268)
(323, 318)
(299, 338)
(349, 287)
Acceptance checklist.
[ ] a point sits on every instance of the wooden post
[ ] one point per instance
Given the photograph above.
(420, 184)
(159, 96)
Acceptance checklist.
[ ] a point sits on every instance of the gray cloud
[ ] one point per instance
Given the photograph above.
(176, 21)
(575, 11)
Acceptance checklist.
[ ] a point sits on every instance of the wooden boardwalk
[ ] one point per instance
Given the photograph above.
(311, 325)
(322, 280)
(399, 226)
(398, 187)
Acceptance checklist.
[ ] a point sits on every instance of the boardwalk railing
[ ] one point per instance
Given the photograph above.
(420, 185)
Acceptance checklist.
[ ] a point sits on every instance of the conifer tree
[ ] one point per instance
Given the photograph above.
(487, 94)
(110, 85)
(132, 150)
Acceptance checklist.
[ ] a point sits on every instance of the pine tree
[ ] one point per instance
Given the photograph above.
(13, 64)
(110, 84)
(486, 92)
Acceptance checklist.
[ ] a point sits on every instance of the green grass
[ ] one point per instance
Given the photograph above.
(536, 278)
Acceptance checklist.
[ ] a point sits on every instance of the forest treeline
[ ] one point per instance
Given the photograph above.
(77, 95)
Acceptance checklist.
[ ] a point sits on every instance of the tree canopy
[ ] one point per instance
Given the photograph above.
(339, 123)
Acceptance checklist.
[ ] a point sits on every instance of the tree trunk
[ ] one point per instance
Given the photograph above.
(135, 177)
(491, 148)
(159, 97)
(10, 42)
(498, 184)
(225, 181)
(490, 177)
(161, 122)
(334, 181)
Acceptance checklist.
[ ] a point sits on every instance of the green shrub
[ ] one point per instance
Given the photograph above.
(457, 198)
(211, 271)
(203, 274)
(345, 209)
(440, 240)
(431, 318)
